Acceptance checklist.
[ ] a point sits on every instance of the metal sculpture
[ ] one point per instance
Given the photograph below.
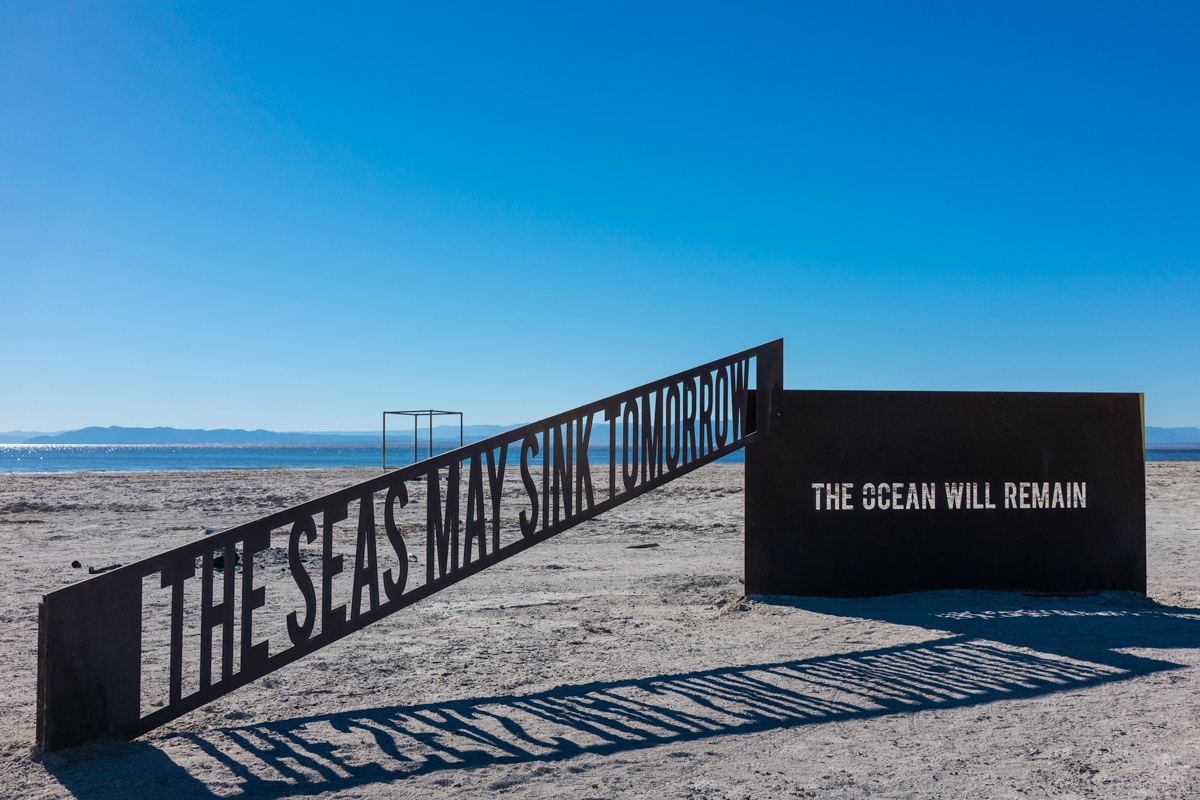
(872, 493)
(416, 415)
(91, 646)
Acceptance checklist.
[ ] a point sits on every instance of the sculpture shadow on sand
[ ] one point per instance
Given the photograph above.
(986, 648)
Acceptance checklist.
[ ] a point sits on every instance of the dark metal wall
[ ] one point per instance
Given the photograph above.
(1050, 492)
(453, 507)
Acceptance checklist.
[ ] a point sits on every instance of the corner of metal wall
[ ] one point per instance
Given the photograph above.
(40, 734)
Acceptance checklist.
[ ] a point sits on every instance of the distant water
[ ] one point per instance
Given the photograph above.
(150, 457)
(1173, 455)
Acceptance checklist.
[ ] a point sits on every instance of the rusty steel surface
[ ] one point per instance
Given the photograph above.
(92, 642)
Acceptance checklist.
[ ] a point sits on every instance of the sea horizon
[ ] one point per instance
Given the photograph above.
(45, 458)
(48, 458)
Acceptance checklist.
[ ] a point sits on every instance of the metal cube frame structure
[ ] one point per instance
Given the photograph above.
(416, 415)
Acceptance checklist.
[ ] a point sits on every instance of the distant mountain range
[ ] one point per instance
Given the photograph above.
(119, 435)
(1171, 435)
(16, 437)
(441, 433)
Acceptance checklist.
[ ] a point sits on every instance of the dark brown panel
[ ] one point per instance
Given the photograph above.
(923, 449)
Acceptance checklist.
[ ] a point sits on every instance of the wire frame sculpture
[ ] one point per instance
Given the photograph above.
(416, 415)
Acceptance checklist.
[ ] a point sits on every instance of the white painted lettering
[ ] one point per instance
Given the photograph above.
(893, 495)
(831, 497)
(1041, 495)
(954, 495)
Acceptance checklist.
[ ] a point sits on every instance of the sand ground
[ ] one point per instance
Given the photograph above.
(584, 668)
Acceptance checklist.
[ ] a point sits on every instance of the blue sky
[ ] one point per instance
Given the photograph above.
(292, 217)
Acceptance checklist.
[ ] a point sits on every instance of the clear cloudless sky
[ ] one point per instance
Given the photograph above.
(292, 216)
